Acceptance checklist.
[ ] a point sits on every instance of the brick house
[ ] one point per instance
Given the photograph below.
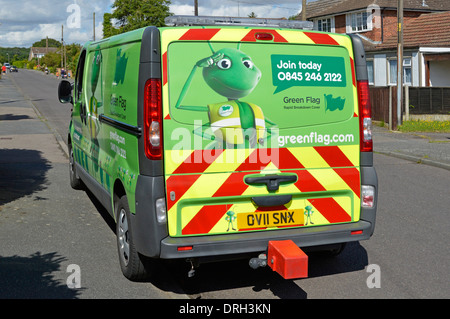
(426, 36)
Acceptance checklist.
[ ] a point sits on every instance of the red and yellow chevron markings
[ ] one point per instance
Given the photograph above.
(234, 185)
(321, 38)
(189, 171)
(195, 180)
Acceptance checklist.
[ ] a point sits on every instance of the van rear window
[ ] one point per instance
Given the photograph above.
(287, 85)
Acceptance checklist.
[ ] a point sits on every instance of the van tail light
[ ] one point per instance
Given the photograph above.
(365, 116)
(153, 119)
(264, 36)
(367, 196)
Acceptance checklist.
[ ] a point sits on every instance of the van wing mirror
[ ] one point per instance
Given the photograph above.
(65, 92)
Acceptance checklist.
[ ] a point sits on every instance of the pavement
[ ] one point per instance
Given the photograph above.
(422, 148)
(23, 127)
(26, 141)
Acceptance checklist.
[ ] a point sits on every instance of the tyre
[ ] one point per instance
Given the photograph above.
(336, 250)
(75, 181)
(134, 266)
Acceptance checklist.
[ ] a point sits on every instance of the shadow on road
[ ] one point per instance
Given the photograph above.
(22, 172)
(10, 101)
(212, 278)
(13, 117)
(31, 277)
(230, 275)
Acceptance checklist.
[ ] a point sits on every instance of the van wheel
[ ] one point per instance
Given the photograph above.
(133, 265)
(75, 181)
(336, 251)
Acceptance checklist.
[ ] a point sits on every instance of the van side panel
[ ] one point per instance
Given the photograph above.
(121, 102)
(106, 143)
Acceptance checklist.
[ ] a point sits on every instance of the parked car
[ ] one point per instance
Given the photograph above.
(13, 69)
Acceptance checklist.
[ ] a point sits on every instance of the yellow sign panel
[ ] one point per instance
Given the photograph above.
(289, 217)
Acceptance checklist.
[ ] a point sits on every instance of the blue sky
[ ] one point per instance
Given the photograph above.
(23, 22)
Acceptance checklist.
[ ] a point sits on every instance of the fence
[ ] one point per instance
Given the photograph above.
(423, 100)
(429, 100)
(384, 104)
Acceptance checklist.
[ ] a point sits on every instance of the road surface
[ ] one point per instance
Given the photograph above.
(51, 226)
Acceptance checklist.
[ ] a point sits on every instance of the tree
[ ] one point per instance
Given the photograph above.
(13, 54)
(134, 14)
(72, 52)
(51, 59)
(108, 28)
(252, 15)
(51, 43)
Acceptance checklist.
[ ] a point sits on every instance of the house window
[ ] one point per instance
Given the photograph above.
(406, 71)
(324, 25)
(358, 22)
(370, 71)
(392, 72)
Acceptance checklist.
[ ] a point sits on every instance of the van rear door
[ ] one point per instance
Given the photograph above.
(261, 130)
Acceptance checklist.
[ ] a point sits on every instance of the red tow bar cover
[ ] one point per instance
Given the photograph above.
(287, 259)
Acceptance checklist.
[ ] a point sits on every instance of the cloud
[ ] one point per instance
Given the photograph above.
(242, 8)
(24, 22)
(19, 38)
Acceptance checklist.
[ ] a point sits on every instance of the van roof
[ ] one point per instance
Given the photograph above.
(183, 20)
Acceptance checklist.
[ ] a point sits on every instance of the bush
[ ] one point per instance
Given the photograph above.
(20, 64)
(31, 64)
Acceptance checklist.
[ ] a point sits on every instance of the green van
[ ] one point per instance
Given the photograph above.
(216, 137)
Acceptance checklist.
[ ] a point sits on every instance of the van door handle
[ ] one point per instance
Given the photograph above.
(83, 112)
(271, 200)
(271, 181)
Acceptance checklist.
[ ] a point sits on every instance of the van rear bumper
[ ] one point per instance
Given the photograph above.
(152, 239)
(241, 243)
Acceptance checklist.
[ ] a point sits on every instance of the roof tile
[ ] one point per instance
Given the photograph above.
(329, 7)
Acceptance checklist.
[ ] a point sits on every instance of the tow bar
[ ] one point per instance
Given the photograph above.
(284, 257)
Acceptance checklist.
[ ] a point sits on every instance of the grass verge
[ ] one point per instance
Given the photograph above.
(425, 126)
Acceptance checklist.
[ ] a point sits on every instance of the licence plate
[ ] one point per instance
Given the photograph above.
(291, 217)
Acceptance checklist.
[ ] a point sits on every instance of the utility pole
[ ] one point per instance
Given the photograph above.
(62, 46)
(65, 58)
(303, 10)
(94, 26)
(399, 61)
(196, 7)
